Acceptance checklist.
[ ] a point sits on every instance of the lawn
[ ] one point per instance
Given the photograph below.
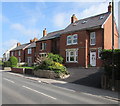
(26, 67)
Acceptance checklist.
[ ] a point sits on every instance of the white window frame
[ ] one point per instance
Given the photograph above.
(75, 35)
(44, 45)
(29, 50)
(99, 51)
(19, 53)
(19, 59)
(12, 53)
(68, 55)
(43, 54)
(71, 39)
(92, 37)
(29, 60)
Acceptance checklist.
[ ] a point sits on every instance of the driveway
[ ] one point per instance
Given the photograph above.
(88, 77)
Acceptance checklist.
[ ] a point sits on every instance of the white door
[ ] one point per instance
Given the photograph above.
(29, 60)
(93, 58)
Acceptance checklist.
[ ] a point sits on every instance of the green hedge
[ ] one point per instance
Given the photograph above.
(107, 57)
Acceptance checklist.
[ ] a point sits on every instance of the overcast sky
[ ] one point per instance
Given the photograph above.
(22, 21)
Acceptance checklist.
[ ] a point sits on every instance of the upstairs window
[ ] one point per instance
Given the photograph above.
(92, 38)
(43, 46)
(69, 40)
(72, 39)
(29, 51)
(19, 53)
(75, 39)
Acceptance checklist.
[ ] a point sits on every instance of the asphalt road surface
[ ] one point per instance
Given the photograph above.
(18, 90)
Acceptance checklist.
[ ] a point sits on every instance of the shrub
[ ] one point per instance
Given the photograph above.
(58, 68)
(1, 63)
(7, 64)
(13, 61)
(55, 57)
(107, 57)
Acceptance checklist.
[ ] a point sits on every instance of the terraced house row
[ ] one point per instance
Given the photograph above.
(80, 43)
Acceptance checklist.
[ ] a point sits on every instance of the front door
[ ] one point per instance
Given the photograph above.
(29, 61)
(93, 58)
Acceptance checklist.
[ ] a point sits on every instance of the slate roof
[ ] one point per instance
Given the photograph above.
(20, 47)
(51, 35)
(31, 45)
(93, 21)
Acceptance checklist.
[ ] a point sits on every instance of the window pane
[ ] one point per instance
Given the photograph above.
(71, 58)
(69, 39)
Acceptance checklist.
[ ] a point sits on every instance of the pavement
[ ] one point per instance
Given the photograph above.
(74, 87)
(20, 89)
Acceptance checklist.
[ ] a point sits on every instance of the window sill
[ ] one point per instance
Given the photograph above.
(71, 44)
(71, 62)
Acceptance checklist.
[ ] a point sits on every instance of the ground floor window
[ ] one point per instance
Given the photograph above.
(99, 51)
(19, 59)
(72, 55)
(43, 54)
(29, 60)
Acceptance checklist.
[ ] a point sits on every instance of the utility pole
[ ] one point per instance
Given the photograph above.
(113, 77)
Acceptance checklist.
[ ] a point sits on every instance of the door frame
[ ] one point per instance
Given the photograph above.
(93, 65)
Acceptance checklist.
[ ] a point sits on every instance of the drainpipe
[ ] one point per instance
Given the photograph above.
(86, 53)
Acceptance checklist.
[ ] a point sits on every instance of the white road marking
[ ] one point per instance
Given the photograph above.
(38, 92)
(8, 80)
(64, 88)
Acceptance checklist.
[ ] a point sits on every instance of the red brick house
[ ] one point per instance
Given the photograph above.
(49, 43)
(19, 52)
(80, 42)
(25, 52)
(30, 52)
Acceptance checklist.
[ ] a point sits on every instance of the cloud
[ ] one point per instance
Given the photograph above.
(8, 44)
(30, 32)
(59, 20)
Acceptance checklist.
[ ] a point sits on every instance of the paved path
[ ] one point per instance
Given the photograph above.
(89, 77)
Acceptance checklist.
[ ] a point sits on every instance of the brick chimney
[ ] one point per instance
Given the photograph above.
(18, 44)
(109, 7)
(31, 41)
(35, 39)
(44, 32)
(73, 18)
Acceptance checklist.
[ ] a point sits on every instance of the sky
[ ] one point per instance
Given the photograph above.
(22, 21)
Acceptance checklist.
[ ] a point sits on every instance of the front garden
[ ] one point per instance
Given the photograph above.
(50, 66)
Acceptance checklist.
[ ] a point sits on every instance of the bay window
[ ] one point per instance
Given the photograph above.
(72, 55)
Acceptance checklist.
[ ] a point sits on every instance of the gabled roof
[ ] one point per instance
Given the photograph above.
(31, 45)
(87, 23)
(20, 47)
(51, 35)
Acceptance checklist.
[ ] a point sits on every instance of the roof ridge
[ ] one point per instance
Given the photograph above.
(91, 16)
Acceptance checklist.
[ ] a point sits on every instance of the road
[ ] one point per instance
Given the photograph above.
(18, 90)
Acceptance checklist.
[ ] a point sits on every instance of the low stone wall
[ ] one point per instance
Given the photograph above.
(18, 70)
(46, 74)
(6, 68)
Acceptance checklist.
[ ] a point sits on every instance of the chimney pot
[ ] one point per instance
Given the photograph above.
(73, 18)
(109, 7)
(18, 44)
